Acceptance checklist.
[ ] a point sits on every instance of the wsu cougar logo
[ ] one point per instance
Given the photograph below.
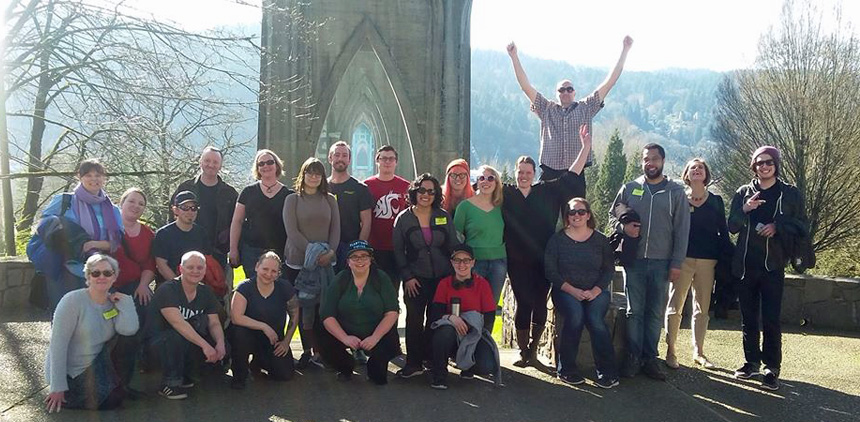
(387, 206)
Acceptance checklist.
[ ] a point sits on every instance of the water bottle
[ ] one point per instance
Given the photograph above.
(455, 306)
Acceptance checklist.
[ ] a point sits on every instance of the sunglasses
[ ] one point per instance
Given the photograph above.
(424, 191)
(460, 261)
(189, 208)
(489, 178)
(564, 89)
(458, 176)
(265, 163)
(99, 273)
(577, 212)
(769, 163)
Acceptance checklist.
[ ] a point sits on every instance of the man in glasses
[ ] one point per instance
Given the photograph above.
(770, 217)
(389, 192)
(663, 232)
(353, 201)
(560, 122)
(181, 236)
(217, 201)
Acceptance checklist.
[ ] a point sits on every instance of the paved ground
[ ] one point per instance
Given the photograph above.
(689, 395)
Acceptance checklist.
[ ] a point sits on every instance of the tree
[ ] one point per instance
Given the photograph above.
(611, 176)
(801, 97)
(89, 80)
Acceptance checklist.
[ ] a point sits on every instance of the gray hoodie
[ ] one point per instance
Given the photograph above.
(665, 219)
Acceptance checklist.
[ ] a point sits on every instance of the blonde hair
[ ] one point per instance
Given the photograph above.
(279, 164)
(685, 175)
(497, 194)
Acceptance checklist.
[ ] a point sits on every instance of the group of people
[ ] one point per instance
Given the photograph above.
(329, 255)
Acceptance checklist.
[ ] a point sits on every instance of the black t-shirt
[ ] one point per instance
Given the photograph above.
(207, 217)
(264, 221)
(171, 243)
(353, 197)
(757, 245)
(171, 295)
(271, 310)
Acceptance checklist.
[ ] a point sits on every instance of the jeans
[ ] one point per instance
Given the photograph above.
(418, 332)
(385, 261)
(761, 291)
(494, 270)
(249, 257)
(334, 352)
(98, 387)
(445, 344)
(180, 359)
(531, 289)
(646, 284)
(591, 314)
(246, 342)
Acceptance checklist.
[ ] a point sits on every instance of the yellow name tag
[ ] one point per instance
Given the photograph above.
(638, 192)
(111, 313)
(441, 221)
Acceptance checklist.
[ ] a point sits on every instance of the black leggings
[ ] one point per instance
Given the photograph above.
(531, 289)
(334, 352)
(246, 342)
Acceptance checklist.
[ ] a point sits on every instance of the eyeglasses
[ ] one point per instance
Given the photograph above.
(577, 212)
(194, 208)
(461, 261)
(387, 159)
(458, 176)
(424, 191)
(769, 163)
(358, 258)
(489, 178)
(265, 163)
(99, 273)
(564, 89)
(312, 174)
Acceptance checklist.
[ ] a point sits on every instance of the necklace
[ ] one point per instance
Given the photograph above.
(269, 188)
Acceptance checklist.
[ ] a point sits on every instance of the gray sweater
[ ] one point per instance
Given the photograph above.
(309, 218)
(581, 264)
(665, 215)
(80, 330)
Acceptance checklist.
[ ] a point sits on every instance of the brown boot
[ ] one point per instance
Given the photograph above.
(523, 344)
(537, 332)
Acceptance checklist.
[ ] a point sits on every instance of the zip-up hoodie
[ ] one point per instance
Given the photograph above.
(414, 257)
(664, 215)
(790, 220)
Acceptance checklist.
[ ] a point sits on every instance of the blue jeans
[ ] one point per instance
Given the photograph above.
(494, 270)
(249, 257)
(578, 314)
(646, 284)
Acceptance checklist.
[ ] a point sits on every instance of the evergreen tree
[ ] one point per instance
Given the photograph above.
(612, 172)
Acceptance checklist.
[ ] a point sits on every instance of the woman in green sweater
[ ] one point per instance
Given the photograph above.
(479, 219)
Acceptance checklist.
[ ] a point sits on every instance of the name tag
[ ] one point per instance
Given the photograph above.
(692, 208)
(111, 313)
(441, 221)
(638, 192)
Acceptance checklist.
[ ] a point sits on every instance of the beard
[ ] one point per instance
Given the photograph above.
(654, 173)
(339, 166)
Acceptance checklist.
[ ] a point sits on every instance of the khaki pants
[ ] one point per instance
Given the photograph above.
(698, 274)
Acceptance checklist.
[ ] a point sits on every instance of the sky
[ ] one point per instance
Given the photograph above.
(694, 34)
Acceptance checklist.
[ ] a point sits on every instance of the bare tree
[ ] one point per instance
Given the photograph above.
(802, 97)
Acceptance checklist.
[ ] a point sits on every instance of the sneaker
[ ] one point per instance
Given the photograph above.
(360, 357)
(172, 393)
(409, 371)
(238, 384)
(316, 361)
(344, 376)
(303, 361)
(747, 371)
(439, 385)
(630, 367)
(652, 370)
(770, 380)
(187, 383)
(606, 382)
(672, 362)
(571, 379)
(467, 375)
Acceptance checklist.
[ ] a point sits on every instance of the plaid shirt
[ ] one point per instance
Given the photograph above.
(559, 129)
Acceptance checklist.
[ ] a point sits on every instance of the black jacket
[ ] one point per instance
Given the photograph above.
(414, 257)
(792, 226)
(225, 198)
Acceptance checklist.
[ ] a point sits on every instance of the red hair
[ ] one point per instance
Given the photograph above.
(447, 193)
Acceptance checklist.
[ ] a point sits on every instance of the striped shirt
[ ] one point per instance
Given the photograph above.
(559, 129)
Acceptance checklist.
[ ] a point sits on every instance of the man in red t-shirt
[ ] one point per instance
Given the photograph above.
(389, 192)
(473, 293)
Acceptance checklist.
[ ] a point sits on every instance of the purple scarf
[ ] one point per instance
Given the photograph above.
(83, 206)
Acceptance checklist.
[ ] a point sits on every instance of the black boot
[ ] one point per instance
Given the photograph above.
(523, 345)
(537, 332)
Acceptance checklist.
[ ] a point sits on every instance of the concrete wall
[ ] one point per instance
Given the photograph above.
(15, 276)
